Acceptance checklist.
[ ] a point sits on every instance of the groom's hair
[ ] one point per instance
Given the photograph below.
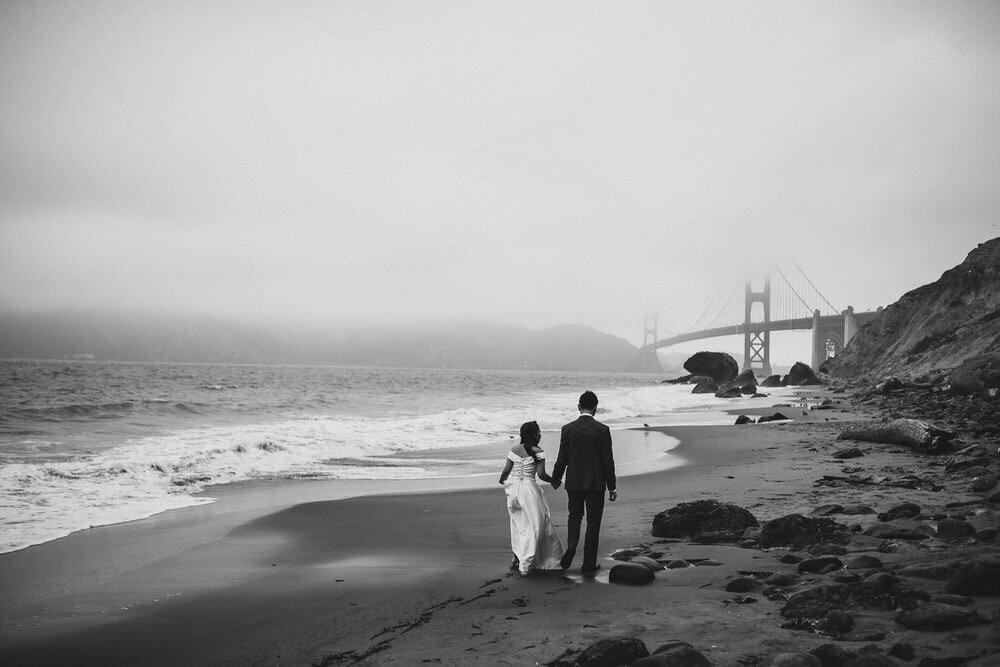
(588, 401)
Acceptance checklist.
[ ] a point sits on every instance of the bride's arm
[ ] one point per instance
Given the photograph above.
(540, 471)
(506, 471)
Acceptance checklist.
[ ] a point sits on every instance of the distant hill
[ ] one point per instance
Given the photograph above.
(934, 327)
(135, 337)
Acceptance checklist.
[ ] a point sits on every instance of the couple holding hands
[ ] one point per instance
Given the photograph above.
(586, 458)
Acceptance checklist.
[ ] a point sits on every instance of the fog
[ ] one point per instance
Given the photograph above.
(388, 163)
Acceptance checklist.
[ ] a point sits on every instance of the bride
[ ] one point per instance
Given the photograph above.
(533, 538)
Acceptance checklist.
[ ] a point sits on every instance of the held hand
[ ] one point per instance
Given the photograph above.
(612, 496)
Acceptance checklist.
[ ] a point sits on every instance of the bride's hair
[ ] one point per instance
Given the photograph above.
(528, 431)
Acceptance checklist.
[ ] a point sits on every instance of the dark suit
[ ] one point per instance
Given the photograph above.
(586, 457)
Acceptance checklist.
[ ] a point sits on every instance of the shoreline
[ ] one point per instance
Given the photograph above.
(286, 576)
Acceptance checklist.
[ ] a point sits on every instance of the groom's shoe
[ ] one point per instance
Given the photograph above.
(593, 567)
(566, 560)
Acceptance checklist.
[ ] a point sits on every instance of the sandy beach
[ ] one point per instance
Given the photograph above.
(298, 574)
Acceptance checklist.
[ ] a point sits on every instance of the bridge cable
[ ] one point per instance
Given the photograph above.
(723, 309)
(710, 304)
(789, 284)
(832, 307)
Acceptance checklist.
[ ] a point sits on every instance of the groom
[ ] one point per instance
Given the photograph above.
(586, 457)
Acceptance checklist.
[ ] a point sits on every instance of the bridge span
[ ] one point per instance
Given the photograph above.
(831, 332)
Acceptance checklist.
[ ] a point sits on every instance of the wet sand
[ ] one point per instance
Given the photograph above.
(297, 574)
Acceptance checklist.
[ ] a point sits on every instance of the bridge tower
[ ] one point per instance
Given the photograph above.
(649, 332)
(649, 361)
(830, 340)
(757, 338)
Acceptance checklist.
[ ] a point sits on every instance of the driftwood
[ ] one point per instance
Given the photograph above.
(912, 433)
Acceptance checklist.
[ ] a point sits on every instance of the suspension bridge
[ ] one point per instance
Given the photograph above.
(793, 304)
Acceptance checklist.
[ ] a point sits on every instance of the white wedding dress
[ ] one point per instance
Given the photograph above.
(533, 538)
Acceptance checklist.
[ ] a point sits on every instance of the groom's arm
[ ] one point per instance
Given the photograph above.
(561, 459)
(608, 460)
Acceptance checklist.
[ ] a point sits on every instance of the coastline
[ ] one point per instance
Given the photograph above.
(281, 574)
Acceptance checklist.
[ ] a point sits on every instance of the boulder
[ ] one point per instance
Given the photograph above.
(719, 366)
(733, 392)
(650, 564)
(936, 616)
(772, 381)
(746, 382)
(782, 579)
(831, 654)
(674, 654)
(776, 417)
(820, 565)
(743, 419)
(976, 577)
(742, 585)
(955, 529)
(864, 562)
(800, 375)
(612, 652)
(936, 571)
(791, 660)
(902, 511)
(704, 385)
(634, 574)
(795, 530)
(691, 520)
(976, 375)
(984, 483)
(836, 623)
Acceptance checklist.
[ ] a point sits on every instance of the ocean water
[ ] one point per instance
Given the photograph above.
(92, 443)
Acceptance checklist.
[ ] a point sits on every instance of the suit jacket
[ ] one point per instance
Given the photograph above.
(586, 457)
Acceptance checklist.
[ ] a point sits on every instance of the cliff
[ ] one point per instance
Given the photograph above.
(932, 328)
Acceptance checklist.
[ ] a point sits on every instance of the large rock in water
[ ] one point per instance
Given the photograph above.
(936, 326)
(717, 365)
(704, 520)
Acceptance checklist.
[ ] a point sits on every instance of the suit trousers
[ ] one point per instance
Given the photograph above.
(591, 502)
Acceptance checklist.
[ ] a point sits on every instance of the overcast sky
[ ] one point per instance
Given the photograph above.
(531, 163)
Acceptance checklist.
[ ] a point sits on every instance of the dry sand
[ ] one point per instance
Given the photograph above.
(285, 574)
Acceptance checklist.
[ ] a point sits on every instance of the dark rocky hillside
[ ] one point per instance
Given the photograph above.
(932, 329)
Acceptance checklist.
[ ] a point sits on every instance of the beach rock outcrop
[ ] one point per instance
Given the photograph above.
(704, 521)
(719, 366)
(976, 376)
(976, 577)
(745, 383)
(801, 374)
(935, 616)
(791, 660)
(635, 574)
(772, 381)
(798, 531)
(674, 654)
(608, 653)
(704, 385)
